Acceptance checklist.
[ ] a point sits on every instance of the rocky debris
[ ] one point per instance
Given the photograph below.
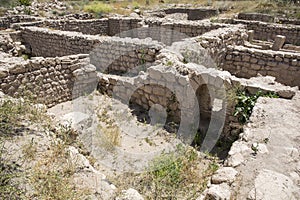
(36, 6)
(76, 16)
(9, 46)
(224, 174)
(272, 185)
(130, 194)
(177, 16)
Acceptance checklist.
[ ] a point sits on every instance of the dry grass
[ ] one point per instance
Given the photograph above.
(180, 175)
(50, 172)
(108, 129)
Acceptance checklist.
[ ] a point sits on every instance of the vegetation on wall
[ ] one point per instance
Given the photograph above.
(245, 103)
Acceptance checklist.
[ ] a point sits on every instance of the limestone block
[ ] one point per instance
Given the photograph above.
(218, 192)
(278, 43)
(224, 174)
(272, 185)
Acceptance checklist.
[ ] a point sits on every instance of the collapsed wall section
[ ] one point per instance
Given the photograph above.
(248, 62)
(49, 80)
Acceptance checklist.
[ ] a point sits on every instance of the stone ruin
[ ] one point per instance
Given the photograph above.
(187, 67)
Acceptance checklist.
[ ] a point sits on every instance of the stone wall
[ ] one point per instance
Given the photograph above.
(193, 13)
(268, 31)
(49, 80)
(287, 21)
(217, 41)
(105, 26)
(256, 17)
(90, 26)
(125, 56)
(267, 18)
(110, 54)
(248, 62)
(50, 43)
(119, 25)
(191, 29)
(5, 22)
(172, 31)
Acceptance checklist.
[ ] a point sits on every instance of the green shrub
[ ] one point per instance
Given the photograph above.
(97, 8)
(246, 102)
(25, 2)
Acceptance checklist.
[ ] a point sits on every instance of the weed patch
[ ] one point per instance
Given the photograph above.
(180, 175)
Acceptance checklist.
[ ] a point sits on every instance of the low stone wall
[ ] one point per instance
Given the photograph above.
(172, 31)
(191, 29)
(125, 56)
(287, 21)
(106, 26)
(256, 17)
(50, 43)
(248, 62)
(119, 25)
(5, 22)
(193, 13)
(110, 54)
(49, 80)
(267, 18)
(90, 26)
(268, 31)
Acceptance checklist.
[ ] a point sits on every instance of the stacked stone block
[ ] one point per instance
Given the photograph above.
(108, 54)
(6, 22)
(248, 62)
(268, 31)
(49, 80)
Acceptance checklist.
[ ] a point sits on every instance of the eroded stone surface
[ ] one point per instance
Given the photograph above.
(225, 174)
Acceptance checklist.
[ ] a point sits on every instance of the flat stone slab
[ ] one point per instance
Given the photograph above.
(271, 185)
(225, 174)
